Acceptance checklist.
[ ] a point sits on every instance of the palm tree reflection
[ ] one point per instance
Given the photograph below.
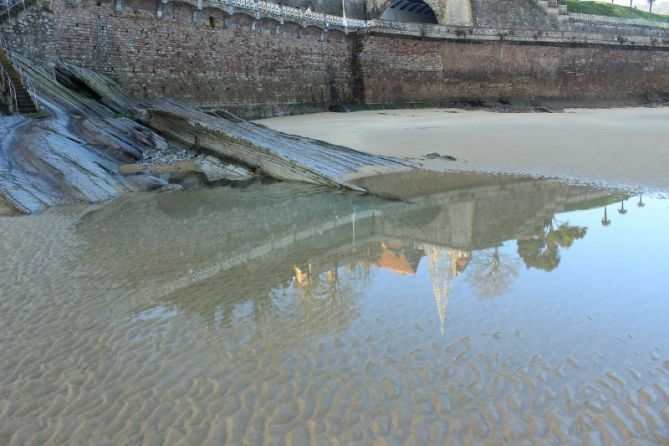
(622, 209)
(542, 251)
(605, 220)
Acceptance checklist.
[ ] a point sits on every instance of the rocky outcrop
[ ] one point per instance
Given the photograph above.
(75, 155)
(72, 155)
(274, 154)
(268, 152)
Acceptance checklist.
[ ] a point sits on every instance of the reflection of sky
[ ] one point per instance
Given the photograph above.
(368, 343)
(607, 296)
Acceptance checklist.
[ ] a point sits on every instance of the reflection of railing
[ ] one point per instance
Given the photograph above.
(303, 15)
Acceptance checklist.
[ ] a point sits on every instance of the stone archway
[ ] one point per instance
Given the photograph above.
(445, 12)
(412, 11)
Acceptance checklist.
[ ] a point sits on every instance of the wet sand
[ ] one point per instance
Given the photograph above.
(263, 315)
(624, 147)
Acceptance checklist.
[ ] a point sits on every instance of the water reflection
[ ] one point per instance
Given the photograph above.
(283, 251)
(492, 272)
(605, 219)
(459, 309)
(542, 250)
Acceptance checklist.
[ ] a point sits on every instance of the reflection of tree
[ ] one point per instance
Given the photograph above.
(622, 209)
(313, 287)
(542, 251)
(491, 272)
(605, 219)
(327, 294)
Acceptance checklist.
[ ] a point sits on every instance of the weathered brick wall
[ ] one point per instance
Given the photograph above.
(257, 68)
(400, 70)
(252, 67)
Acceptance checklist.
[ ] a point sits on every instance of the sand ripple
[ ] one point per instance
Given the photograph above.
(85, 359)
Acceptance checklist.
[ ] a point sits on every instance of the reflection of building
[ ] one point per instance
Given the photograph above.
(394, 258)
(228, 246)
(444, 264)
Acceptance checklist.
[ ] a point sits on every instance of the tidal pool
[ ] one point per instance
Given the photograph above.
(460, 309)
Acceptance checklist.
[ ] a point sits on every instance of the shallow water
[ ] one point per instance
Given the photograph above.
(465, 310)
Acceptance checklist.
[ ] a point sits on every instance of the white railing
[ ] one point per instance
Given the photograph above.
(602, 19)
(326, 20)
(307, 16)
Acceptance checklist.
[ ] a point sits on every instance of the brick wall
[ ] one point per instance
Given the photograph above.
(252, 67)
(400, 70)
(257, 68)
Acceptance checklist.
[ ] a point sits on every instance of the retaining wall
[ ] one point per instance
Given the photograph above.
(251, 67)
(403, 70)
(256, 66)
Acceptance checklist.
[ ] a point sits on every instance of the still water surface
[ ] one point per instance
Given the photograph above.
(466, 310)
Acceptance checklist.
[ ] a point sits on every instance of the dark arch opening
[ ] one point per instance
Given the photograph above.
(412, 11)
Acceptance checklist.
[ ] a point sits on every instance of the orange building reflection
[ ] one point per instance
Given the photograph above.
(444, 265)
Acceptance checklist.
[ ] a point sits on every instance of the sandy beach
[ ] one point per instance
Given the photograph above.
(624, 147)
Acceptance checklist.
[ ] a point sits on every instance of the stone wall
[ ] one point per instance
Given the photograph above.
(522, 14)
(623, 29)
(258, 67)
(405, 70)
(252, 67)
(32, 32)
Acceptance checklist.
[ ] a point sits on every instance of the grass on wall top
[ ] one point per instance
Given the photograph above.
(611, 10)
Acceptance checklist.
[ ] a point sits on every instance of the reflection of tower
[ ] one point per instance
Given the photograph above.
(444, 265)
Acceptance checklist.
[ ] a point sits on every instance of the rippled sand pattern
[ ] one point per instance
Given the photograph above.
(87, 356)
